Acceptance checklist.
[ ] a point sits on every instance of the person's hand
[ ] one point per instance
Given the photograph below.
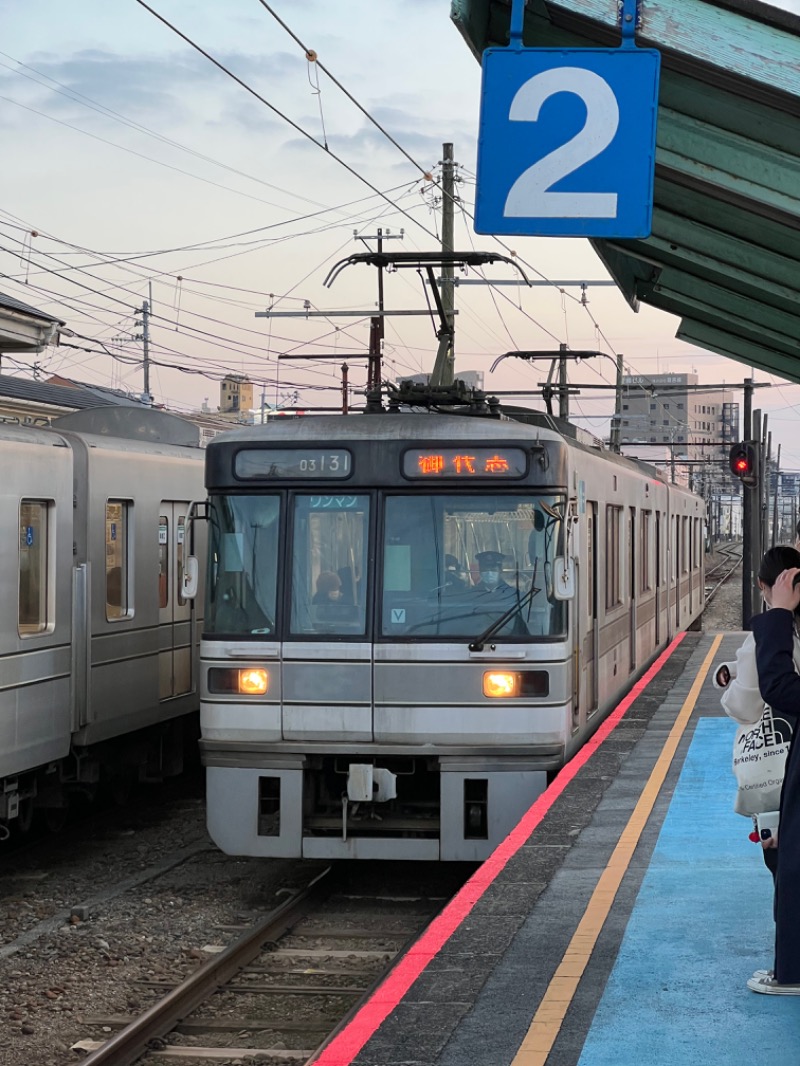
(771, 841)
(784, 592)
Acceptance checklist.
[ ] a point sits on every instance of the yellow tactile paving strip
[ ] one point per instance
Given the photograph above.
(549, 1017)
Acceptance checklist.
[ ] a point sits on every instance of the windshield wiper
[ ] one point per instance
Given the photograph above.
(478, 644)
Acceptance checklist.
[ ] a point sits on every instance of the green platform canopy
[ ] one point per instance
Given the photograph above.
(724, 254)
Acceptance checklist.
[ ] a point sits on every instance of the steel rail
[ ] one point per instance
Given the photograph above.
(734, 563)
(130, 1043)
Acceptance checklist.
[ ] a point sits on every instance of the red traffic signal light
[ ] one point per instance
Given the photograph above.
(744, 462)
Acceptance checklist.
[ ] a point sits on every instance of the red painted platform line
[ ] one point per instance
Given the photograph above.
(343, 1049)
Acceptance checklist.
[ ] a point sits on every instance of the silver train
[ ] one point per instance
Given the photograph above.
(98, 649)
(414, 619)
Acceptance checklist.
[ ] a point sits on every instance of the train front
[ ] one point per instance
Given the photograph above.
(386, 659)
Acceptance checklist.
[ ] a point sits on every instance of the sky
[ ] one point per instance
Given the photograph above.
(134, 169)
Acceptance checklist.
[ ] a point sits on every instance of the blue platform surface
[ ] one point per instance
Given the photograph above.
(702, 922)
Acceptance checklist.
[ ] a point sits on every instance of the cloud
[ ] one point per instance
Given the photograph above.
(173, 88)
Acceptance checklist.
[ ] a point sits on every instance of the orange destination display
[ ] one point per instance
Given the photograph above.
(464, 464)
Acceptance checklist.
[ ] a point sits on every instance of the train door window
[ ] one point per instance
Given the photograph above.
(613, 574)
(645, 535)
(163, 561)
(179, 551)
(684, 546)
(34, 557)
(118, 599)
(657, 560)
(632, 553)
(330, 540)
(591, 591)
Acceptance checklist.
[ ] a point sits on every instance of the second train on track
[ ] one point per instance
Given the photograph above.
(413, 620)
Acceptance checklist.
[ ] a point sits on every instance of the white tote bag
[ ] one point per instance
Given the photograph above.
(759, 758)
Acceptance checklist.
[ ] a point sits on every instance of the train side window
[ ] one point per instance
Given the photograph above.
(118, 598)
(613, 575)
(34, 570)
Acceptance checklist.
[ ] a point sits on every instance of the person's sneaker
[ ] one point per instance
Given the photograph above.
(765, 982)
(763, 973)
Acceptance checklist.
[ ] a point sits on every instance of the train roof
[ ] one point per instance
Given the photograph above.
(402, 425)
(518, 423)
(132, 423)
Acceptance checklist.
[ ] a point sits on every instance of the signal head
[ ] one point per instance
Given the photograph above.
(743, 462)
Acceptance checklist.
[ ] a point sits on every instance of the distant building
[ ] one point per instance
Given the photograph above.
(668, 409)
(235, 394)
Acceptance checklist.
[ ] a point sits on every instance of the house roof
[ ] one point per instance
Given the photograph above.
(76, 397)
(10, 304)
(724, 253)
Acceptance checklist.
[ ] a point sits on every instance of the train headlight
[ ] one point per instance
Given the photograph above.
(253, 682)
(500, 684)
(247, 681)
(531, 684)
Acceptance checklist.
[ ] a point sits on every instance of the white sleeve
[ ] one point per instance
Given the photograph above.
(742, 700)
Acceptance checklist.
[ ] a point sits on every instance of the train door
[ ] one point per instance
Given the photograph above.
(174, 612)
(632, 586)
(658, 578)
(591, 646)
(677, 558)
(692, 562)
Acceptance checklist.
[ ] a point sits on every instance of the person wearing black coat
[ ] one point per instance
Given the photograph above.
(779, 684)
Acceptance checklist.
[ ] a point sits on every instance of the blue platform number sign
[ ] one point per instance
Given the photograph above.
(566, 146)
(29, 536)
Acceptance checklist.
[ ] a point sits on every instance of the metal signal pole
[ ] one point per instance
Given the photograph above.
(376, 329)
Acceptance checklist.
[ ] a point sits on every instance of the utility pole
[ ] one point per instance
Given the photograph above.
(756, 494)
(764, 480)
(775, 500)
(444, 366)
(345, 404)
(145, 311)
(563, 392)
(672, 456)
(747, 508)
(616, 425)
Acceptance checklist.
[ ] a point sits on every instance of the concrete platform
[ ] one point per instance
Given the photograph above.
(618, 924)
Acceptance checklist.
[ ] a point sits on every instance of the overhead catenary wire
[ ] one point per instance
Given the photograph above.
(221, 66)
(311, 138)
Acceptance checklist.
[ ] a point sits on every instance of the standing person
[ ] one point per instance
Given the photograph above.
(742, 700)
(779, 683)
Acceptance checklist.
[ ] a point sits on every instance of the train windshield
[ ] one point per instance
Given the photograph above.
(454, 564)
(243, 564)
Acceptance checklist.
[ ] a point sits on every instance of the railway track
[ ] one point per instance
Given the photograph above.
(729, 562)
(280, 991)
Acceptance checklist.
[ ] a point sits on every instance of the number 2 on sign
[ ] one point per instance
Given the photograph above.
(529, 196)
